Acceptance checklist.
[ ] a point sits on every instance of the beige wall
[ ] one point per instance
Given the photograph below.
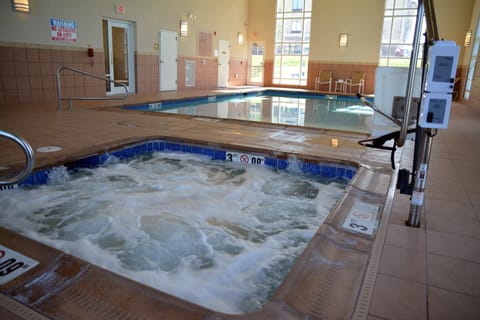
(261, 24)
(362, 20)
(225, 17)
(25, 39)
(453, 21)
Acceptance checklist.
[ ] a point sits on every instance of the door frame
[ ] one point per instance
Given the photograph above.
(129, 26)
(249, 71)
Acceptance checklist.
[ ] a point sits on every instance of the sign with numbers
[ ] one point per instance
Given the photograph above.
(244, 158)
(362, 218)
(13, 264)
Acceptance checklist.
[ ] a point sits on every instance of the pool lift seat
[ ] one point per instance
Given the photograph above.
(325, 77)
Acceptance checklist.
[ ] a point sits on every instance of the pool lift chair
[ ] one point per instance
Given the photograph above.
(439, 65)
(325, 77)
(357, 80)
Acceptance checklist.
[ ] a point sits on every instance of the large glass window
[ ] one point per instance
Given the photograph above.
(292, 42)
(398, 32)
(473, 64)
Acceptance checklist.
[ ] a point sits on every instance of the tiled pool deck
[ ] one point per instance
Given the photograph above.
(430, 272)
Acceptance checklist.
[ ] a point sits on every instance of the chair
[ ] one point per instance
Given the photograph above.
(357, 80)
(325, 77)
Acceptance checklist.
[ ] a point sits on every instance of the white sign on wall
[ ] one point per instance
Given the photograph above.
(63, 30)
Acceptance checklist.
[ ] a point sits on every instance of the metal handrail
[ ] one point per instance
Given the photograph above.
(27, 149)
(59, 88)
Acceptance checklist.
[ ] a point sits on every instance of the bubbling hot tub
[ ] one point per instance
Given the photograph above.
(219, 234)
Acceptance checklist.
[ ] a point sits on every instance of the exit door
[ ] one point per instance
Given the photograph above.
(256, 64)
(119, 60)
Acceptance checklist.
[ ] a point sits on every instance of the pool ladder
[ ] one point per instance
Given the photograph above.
(30, 164)
(69, 99)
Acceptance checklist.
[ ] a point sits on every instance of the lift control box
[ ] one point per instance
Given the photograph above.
(440, 80)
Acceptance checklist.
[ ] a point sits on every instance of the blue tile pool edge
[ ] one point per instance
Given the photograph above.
(321, 168)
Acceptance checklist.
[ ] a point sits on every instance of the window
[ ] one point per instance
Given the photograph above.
(471, 74)
(296, 26)
(292, 42)
(297, 5)
(398, 32)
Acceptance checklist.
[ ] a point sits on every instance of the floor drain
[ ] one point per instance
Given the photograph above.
(49, 149)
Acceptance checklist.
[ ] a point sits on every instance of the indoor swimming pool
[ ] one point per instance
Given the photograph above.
(221, 234)
(276, 107)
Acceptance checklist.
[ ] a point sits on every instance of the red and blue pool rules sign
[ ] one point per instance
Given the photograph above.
(63, 30)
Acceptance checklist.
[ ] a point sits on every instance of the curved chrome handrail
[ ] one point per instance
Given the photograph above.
(59, 88)
(27, 149)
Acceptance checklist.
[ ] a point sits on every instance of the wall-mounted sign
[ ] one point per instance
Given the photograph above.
(63, 30)
(120, 8)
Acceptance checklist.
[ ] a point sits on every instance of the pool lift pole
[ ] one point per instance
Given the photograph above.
(437, 91)
(423, 137)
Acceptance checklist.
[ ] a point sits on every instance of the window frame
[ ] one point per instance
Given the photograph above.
(292, 42)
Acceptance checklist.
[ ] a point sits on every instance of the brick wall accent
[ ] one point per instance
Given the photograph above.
(339, 71)
(147, 68)
(27, 73)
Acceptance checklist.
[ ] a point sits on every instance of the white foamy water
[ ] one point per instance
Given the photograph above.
(218, 234)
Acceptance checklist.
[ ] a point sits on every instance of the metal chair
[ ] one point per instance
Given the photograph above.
(357, 80)
(325, 77)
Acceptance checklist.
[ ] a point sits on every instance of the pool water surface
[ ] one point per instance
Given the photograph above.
(219, 234)
(276, 107)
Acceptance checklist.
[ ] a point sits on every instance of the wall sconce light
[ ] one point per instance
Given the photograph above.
(240, 38)
(334, 143)
(183, 28)
(21, 5)
(343, 40)
(468, 39)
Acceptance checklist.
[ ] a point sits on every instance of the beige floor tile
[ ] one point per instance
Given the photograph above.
(399, 215)
(447, 207)
(443, 172)
(474, 198)
(451, 217)
(453, 246)
(405, 237)
(407, 301)
(453, 274)
(394, 261)
(477, 211)
(446, 191)
(446, 305)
